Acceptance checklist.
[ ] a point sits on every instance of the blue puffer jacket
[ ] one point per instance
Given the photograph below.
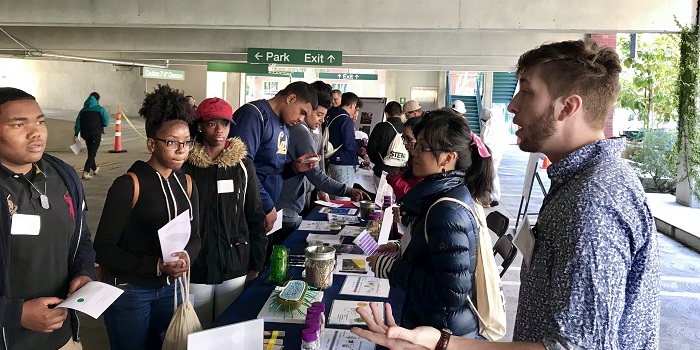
(437, 275)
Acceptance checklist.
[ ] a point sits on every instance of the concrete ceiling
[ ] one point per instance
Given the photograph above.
(389, 34)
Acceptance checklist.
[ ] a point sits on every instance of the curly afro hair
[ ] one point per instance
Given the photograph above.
(162, 105)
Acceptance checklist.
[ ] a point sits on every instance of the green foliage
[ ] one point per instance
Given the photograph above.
(657, 158)
(688, 144)
(649, 81)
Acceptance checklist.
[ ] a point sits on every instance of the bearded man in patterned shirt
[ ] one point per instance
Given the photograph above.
(592, 281)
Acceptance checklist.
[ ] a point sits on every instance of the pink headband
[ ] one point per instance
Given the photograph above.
(483, 151)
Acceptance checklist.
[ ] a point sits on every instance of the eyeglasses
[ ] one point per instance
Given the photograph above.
(409, 141)
(175, 145)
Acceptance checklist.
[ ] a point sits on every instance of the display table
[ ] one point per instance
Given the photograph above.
(249, 303)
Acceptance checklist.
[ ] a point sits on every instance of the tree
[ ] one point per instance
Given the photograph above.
(649, 81)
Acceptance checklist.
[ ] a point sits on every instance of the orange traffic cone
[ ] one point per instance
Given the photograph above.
(118, 133)
(546, 163)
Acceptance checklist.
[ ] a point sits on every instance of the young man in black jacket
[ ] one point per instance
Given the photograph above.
(45, 251)
(382, 136)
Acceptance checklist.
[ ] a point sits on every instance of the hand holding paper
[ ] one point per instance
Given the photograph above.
(174, 236)
(92, 299)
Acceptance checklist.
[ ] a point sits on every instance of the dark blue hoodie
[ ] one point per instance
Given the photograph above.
(342, 131)
(266, 137)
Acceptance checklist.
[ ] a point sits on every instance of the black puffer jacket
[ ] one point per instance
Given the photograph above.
(437, 274)
(231, 223)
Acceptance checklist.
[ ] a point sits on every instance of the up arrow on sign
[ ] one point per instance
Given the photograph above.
(295, 57)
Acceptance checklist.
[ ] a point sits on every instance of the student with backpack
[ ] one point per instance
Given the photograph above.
(385, 147)
(339, 142)
(436, 267)
(138, 204)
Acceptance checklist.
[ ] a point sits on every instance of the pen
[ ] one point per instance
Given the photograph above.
(345, 271)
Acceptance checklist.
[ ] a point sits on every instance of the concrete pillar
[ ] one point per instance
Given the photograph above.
(233, 89)
(487, 99)
(442, 88)
(607, 40)
(390, 85)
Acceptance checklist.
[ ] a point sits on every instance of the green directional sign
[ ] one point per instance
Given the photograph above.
(295, 57)
(232, 67)
(348, 76)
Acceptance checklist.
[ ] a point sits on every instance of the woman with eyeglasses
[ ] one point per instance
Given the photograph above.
(436, 267)
(138, 204)
(231, 213)
(402, 181)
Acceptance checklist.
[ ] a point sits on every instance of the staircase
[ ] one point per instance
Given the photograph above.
(472, 115)
(504, 85)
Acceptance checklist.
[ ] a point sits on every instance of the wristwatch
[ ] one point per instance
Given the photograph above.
(444, 339)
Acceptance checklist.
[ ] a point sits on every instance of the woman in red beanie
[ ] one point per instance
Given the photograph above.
(231, 214)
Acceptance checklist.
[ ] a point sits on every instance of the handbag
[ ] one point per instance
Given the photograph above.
(184, 321)
(490, 307)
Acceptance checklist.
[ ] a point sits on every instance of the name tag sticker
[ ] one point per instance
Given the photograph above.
(224, 186)
(525, 241)
(25, 225)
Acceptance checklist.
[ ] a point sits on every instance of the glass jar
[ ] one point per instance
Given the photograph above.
(320, 263)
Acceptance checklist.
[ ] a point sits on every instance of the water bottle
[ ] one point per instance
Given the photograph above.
(278, 264)
(309, 340)
(321, 307)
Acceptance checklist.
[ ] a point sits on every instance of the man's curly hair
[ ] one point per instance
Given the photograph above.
(164, 104)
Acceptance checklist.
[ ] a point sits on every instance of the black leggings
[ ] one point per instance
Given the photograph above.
(92, 142)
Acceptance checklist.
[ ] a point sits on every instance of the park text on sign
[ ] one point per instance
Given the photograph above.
(348, 76)
(167, 74)
(295, 57)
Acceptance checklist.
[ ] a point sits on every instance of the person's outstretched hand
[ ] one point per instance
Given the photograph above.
(393, 336)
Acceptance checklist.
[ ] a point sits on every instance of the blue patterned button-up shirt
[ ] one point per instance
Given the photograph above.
(593, 281)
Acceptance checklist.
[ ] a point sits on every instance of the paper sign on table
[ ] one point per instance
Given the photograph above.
(244, 335)
(351, 231)
(75, 147)
(174, 236)
(366, 286)
(383, 189)
(328, 204)
(387, 223)
(278, 222)
(352, 265)
(339, 211)
(309, 225)
(343, 219)
(92, 299)
(328, 239)
(344, 312)
(343, 339)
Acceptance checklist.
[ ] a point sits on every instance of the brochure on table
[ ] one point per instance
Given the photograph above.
(328, 204)
(244, 335)
(343, 312)
(343, 339)
(327, 239)
(353, 265)
(343, 219)
(366, 286)
(274, 313)
(352, 231)
(310, 225)
(338, 211)
(92, 299)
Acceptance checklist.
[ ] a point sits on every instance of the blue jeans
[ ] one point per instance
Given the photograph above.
(344, 174)
(139, 316)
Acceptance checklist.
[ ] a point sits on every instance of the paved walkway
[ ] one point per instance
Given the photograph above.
(680, 299)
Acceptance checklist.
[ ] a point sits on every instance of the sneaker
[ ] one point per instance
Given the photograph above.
(97, 170)
(494, 203)
(86, 175)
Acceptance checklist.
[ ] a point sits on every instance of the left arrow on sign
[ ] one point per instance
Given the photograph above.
(257, 56)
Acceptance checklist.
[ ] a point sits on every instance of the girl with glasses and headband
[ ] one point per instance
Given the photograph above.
(437, 259)
(138, 204)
